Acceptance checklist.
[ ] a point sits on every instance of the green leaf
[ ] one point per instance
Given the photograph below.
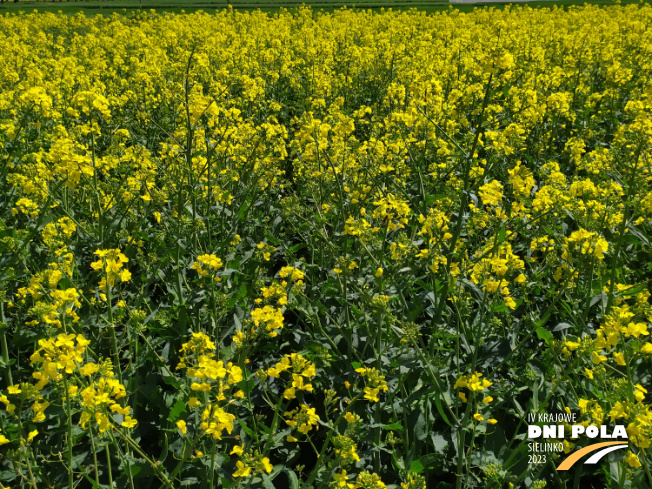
(267, 483)
(93, 483)
(246, 428)
(636, 289)
(638, 234)
(296, 248)
(562, 326)
(178, 408)
(473, 288)
(544, 319)
(133, 468)
(429, 460)
(440, 409)
(247, 385)
(243, 209)
(275, 241)
(545, 335)
(502, 234)
(420, 427)
(498, 308)
(228, 272)
(292, 478)
(439, 442)
(416, 467)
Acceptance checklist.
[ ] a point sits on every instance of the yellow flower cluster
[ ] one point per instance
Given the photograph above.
(271, 317)
(473, 382)
(210, 381)
(279, 291)
(215, 420)
(111, 262)
(393, 211)
(54, 233)
(303, 419)
(100, 395)
(364, 480)
(265, 250)
(27, 207)
(250, 463)
(302, 370)
(276, 291)
(345, 449)
(53, 306)
(496, 271)
(25, 392)
(491, 193)
(618, 323)
(293, 273)
(211, 261)
(586, 243)
(56, 355)
(375, 382)
(62, 359)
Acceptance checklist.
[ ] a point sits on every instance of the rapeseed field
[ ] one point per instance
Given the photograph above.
(326, 250)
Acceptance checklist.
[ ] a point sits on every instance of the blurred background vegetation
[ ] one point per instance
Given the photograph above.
(178, 6)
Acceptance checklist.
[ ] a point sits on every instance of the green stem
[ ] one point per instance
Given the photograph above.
(464, 199)
(155, 466)
(187, 452)
(621, 230)
(29, 465)
(95, 466)
(460, 457)
(109, 299)
(5, 349)
(646, 468)
(585, 314)
(126, 456)
(577, 478)
(433, 377)
(321, 459)
(108, 462)
(160, 359)
(100, 217)
(69, 439)
(274, 426)
(213, 456)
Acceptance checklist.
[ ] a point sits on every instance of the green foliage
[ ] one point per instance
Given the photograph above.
(316, 250)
